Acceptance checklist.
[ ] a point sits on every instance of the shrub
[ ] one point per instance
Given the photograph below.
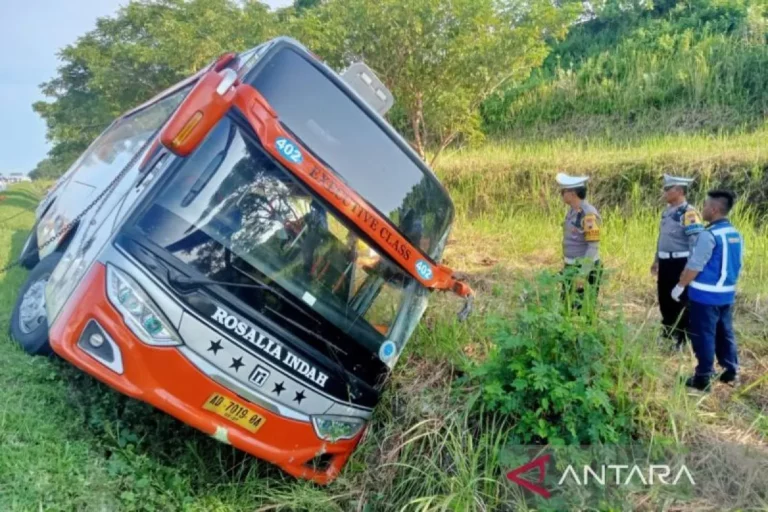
(553, 370)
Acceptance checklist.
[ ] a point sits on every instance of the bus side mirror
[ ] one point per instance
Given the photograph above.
(205, 105)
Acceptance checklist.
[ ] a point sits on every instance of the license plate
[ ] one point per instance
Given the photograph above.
(235, 412)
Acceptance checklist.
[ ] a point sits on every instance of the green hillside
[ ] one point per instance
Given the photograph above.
(646, 68)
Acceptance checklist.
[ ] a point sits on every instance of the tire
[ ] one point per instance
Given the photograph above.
(29, 256)
(29, 325)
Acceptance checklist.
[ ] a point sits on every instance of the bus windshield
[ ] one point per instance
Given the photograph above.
(328, 122)
(232, 213)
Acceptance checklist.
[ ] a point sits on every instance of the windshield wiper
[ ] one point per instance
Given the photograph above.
(339, 370)
(185, 284)
(331, 347)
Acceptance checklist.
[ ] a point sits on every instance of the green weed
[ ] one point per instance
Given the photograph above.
(554, 373)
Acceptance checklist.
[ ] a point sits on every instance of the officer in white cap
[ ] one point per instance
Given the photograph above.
(581, 237)
(680, 225)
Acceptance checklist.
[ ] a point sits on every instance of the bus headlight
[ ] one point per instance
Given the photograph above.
(139, 312)
(335, 428)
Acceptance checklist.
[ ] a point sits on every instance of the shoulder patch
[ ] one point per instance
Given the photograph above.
(591, 227)
(692, 222)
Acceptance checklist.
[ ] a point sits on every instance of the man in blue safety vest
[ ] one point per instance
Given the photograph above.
(711, 275)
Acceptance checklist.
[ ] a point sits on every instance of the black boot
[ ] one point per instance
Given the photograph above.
(699, 382)
(729, 377)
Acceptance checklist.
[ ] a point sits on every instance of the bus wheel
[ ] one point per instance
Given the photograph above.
(29, 320)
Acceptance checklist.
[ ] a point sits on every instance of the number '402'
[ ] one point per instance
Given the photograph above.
(289, 150)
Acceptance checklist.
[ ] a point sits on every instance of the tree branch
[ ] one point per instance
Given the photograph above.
(444, 144)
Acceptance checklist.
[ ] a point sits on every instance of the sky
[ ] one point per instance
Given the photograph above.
(32, 33)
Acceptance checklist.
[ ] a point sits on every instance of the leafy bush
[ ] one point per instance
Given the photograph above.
(554, 372)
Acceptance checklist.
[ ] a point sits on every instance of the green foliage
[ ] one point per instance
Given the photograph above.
(459, 70)
(301, 5)
(146, 47)
(441, 59)
(51, 167)
(694, 65)
(552, 370)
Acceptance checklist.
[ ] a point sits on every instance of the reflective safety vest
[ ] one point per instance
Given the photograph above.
(716, 283)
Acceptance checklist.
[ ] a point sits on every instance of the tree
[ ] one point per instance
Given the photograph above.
(440, 58)
(47, 169)
(146, 47)
(302, 5)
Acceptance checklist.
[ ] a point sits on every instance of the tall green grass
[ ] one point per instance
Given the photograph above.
(627, 244)
(501, 177)
(718, 82)
(509, 210)
(694, 66)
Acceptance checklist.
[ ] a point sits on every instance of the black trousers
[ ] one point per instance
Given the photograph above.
(576, 295)
(674, 315)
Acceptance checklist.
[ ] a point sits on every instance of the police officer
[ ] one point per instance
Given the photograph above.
(680, 225)
(581, 237)
(711, 275)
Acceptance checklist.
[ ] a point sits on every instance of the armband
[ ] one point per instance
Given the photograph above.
(692, 223)
(591, 228)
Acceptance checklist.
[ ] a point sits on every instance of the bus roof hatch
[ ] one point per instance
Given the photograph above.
(365, 83)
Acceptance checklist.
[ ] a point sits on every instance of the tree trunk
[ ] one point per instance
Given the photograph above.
(416, 121)
(422, 124)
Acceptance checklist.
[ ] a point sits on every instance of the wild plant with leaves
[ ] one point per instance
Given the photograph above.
(551, 369)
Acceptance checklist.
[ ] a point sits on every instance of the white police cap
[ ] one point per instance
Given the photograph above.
(567, 182)
(671, 181)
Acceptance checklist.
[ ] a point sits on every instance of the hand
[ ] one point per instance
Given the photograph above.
(655, 268)
(677, 291)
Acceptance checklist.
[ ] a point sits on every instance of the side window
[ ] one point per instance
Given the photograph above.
(115, 147)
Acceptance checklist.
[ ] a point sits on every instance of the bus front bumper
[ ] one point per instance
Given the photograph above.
(164, 378)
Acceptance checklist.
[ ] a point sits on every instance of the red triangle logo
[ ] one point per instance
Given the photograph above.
(539, 463)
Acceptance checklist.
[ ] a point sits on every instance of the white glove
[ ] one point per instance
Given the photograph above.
(677, 291)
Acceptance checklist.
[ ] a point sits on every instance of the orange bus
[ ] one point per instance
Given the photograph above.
(249, 252)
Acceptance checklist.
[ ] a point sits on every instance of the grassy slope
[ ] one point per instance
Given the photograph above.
(67, 442)
(693, 67)
(508, 209)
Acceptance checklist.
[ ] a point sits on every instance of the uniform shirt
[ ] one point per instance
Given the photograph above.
(581, 233)
(680, 226)
(702, 252)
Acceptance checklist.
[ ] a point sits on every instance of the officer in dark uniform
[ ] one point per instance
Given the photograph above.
(680, 226)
